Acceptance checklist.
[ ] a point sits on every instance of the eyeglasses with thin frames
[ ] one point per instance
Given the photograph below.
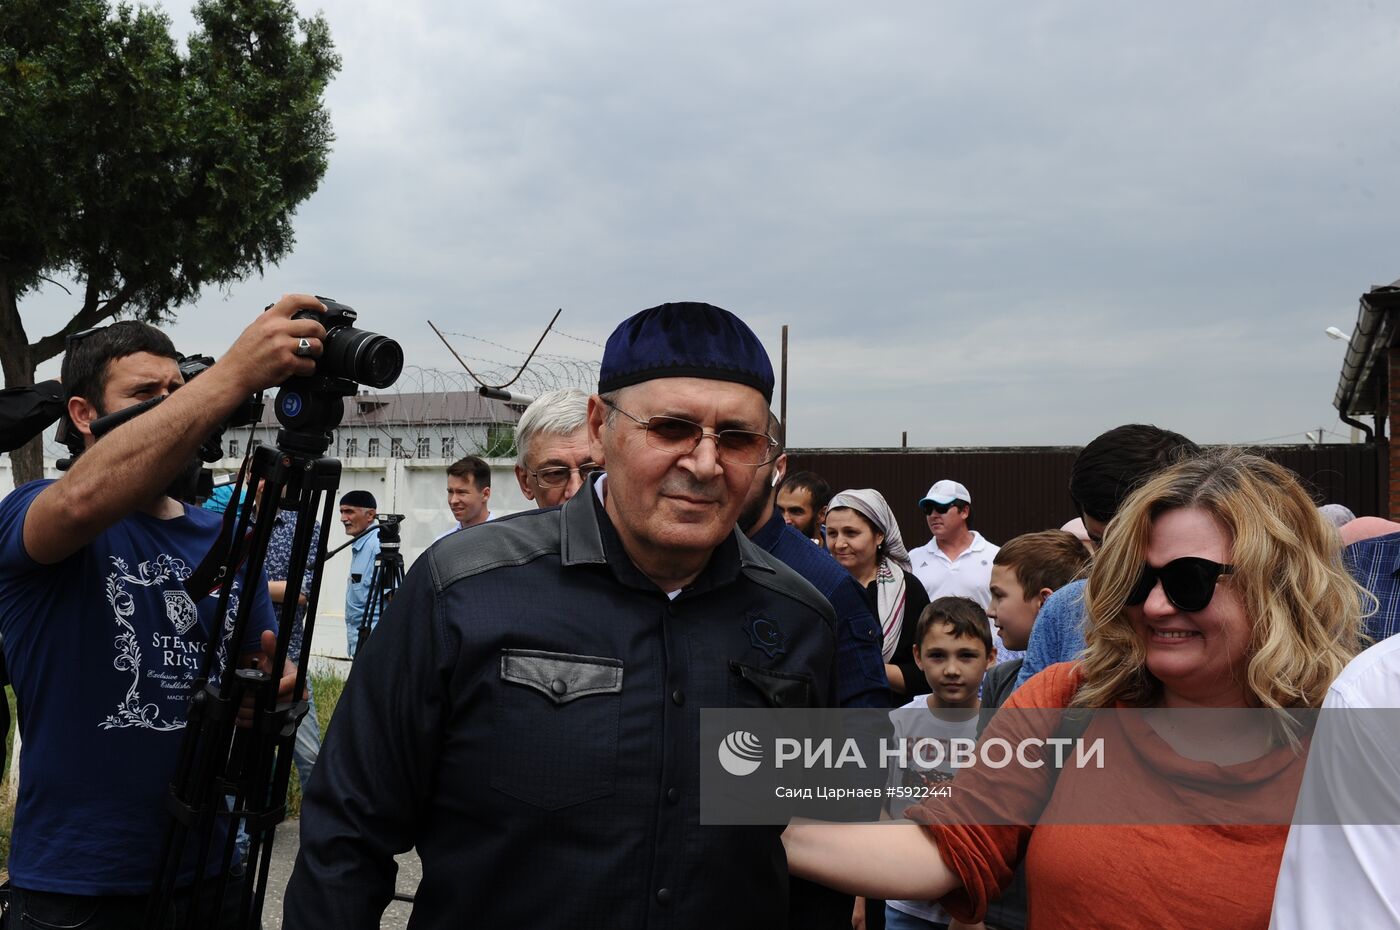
(682, 437)
(556, 476)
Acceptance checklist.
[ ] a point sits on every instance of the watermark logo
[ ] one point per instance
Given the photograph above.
(740, 753)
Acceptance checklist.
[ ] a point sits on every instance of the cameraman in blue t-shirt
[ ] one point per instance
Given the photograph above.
(103, 641)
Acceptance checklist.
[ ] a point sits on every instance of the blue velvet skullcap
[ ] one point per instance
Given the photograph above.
(359, 499)
(685, 340)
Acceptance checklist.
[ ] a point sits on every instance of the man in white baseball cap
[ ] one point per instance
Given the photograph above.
(958, 560)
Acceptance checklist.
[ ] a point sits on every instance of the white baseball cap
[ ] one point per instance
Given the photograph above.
(945, 492)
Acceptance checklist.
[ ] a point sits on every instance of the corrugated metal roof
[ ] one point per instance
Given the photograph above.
(1364, 369)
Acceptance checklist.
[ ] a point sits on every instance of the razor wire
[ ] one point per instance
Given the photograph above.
(436, 413)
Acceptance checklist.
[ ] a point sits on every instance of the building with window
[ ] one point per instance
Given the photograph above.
(409, 426)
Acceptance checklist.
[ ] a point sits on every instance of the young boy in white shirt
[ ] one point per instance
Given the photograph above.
(953, 648)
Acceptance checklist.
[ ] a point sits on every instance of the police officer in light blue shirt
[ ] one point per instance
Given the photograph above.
(357, 513)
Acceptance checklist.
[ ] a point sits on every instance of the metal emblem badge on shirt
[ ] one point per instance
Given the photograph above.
(765, 635)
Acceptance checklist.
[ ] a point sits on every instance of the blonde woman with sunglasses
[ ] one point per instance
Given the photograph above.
(1218, 586)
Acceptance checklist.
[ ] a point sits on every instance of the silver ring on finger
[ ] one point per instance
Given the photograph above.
(303, 348)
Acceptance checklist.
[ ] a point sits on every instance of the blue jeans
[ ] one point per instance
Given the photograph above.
(308, 741)
(898, 920)
(47, 910)
(352, 634)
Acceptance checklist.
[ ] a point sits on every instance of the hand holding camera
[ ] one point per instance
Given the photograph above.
(271, 349)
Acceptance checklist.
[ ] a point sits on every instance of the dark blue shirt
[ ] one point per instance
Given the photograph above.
(1375, 564)
(527, 716)
(860, 667)
(104, 648)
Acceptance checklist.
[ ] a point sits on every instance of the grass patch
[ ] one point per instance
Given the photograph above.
(326, 688)
(7, 809)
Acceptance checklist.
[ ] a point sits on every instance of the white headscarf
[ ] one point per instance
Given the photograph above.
(870, 504)
(891, 562)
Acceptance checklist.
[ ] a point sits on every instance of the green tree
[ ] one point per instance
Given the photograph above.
(500, 442)
(142, 173)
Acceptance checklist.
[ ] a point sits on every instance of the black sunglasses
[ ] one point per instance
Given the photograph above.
(1189, 582)
(72, 339)
(929, 507)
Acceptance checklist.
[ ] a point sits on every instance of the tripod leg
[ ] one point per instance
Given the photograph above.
(374, 603)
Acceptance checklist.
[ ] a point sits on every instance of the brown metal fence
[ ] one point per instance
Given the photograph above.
(1020, 490)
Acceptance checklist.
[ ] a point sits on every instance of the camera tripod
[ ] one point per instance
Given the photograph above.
(384, 580)
(233, 772)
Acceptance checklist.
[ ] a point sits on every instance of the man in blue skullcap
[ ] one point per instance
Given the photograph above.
(527, 714)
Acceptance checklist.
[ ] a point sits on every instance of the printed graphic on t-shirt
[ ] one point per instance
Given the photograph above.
(174, 661)
(179, 608)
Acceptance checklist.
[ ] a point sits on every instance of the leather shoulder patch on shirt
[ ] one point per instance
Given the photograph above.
(775, 575)
(516, 540)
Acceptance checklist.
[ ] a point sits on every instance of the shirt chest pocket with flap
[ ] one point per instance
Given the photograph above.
(555, 724)
(754, 686)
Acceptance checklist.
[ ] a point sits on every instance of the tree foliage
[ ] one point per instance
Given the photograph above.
(143, 172)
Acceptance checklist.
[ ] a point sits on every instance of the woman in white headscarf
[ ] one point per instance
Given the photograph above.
(861, 533)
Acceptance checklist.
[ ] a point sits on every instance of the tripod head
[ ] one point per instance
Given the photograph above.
(389, 531)
(309, 409)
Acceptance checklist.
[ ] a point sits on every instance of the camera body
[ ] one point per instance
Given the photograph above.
(310, 407)
(354, 354)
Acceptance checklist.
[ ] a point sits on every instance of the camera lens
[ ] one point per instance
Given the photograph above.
(362, 356)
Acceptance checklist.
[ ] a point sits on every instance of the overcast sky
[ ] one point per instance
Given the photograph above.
(985, 224)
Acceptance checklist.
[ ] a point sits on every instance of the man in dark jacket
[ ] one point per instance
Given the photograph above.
(527, 715)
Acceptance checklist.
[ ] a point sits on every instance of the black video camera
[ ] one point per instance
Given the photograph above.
(311, 406)
(247, 413)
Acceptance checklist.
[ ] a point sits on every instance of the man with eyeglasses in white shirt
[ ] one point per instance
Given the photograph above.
(552, 443)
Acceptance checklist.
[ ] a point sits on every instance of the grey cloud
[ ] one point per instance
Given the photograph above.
(984, 225)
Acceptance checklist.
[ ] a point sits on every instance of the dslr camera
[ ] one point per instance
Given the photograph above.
(310, 407)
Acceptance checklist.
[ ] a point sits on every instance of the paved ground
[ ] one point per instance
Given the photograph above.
(284, 853)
